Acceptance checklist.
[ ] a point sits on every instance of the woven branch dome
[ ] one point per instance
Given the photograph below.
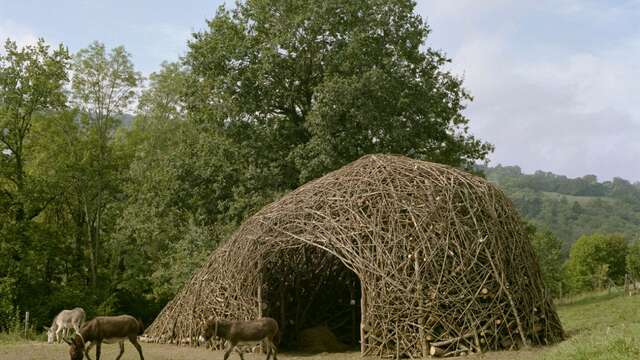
(405, 257)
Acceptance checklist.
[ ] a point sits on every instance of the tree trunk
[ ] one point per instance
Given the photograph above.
(91, 241)
(96, 235)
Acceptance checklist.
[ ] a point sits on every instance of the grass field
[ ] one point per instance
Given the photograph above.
(599, 327)
(582, 200)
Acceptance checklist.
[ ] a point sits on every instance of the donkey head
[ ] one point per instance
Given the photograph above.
(50, 334)
(211, 329)
(76, 348)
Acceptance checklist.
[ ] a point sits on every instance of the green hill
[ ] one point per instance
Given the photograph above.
(571, 207)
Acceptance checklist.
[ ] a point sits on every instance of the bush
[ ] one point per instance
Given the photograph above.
(7, 311)
(548, 249)
(594, 259)
(633, 260)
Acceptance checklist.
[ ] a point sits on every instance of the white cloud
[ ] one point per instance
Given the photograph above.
(566, 105)
(22, 35)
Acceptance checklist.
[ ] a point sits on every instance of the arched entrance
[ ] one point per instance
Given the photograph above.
(313, 296)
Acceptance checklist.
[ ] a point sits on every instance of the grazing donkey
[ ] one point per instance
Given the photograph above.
(243, 332)
(65, 320)
(107, 329)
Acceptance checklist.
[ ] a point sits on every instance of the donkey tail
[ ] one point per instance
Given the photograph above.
(277, 338)
(140, 326)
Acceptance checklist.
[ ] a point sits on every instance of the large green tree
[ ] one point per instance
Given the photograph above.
(31, 83)
(308, 86)
(596, 258)
(31, 86)
(103, 88)
(179, 203)
(548, 249)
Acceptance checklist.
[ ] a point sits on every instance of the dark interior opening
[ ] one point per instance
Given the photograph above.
(313, 296)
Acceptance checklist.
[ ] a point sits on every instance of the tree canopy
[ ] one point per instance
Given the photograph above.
(31, 84)
(115, 215)
(596, 258)
(309, 86)
(569, 207)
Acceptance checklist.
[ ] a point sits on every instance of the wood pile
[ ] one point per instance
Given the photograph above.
(411, 258)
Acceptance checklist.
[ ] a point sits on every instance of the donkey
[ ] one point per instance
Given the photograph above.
(243, 332)
(107, 329)
(65, 320)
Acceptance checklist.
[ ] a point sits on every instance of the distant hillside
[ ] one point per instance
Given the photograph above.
(571, 207)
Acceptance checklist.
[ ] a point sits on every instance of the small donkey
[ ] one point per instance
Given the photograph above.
(65, 320)
(243, 332)
(107, 329)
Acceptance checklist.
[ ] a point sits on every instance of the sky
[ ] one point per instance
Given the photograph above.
(555, 82)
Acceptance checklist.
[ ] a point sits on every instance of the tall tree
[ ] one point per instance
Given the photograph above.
(596, 258)
(104, 84)
(103, 87)
(163, 98)
(633, 260)
(31, 84)
(178, 202)
(308, 86)
(548, 249)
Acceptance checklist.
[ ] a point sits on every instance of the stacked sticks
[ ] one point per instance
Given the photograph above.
(436, 261)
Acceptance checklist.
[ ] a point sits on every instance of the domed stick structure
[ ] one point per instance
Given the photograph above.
(407, 257)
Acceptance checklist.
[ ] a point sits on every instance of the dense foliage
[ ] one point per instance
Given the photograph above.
(548, 248)
(587, 231)
(31, 85)
(114, 216)
(570, 208)
(308, 86)
(596, 259)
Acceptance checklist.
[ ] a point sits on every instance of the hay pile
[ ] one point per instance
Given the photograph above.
(319, 339)
(412, 257)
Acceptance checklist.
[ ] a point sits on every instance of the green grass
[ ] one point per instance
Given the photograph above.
(582, 200)
(10, 338)
(17, 336)
(603, 326)
(589, 298)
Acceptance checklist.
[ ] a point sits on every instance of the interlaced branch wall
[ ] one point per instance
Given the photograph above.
(419, 258)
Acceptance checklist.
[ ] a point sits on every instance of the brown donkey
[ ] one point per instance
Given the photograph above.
(243, 332)
(107, 329)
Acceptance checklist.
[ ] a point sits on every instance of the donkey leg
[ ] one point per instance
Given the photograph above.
(121, 344)
(136, 344)
(98, 347)
(272, 345)
(267, 343)
(58, 334)
(229, 350)
(88, 348)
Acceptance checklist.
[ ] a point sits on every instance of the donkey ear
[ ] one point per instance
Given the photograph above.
(45, 327)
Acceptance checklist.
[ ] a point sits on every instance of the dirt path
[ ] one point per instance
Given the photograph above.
(43, 351)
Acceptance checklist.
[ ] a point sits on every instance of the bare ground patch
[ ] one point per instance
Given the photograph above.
(44, 351)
